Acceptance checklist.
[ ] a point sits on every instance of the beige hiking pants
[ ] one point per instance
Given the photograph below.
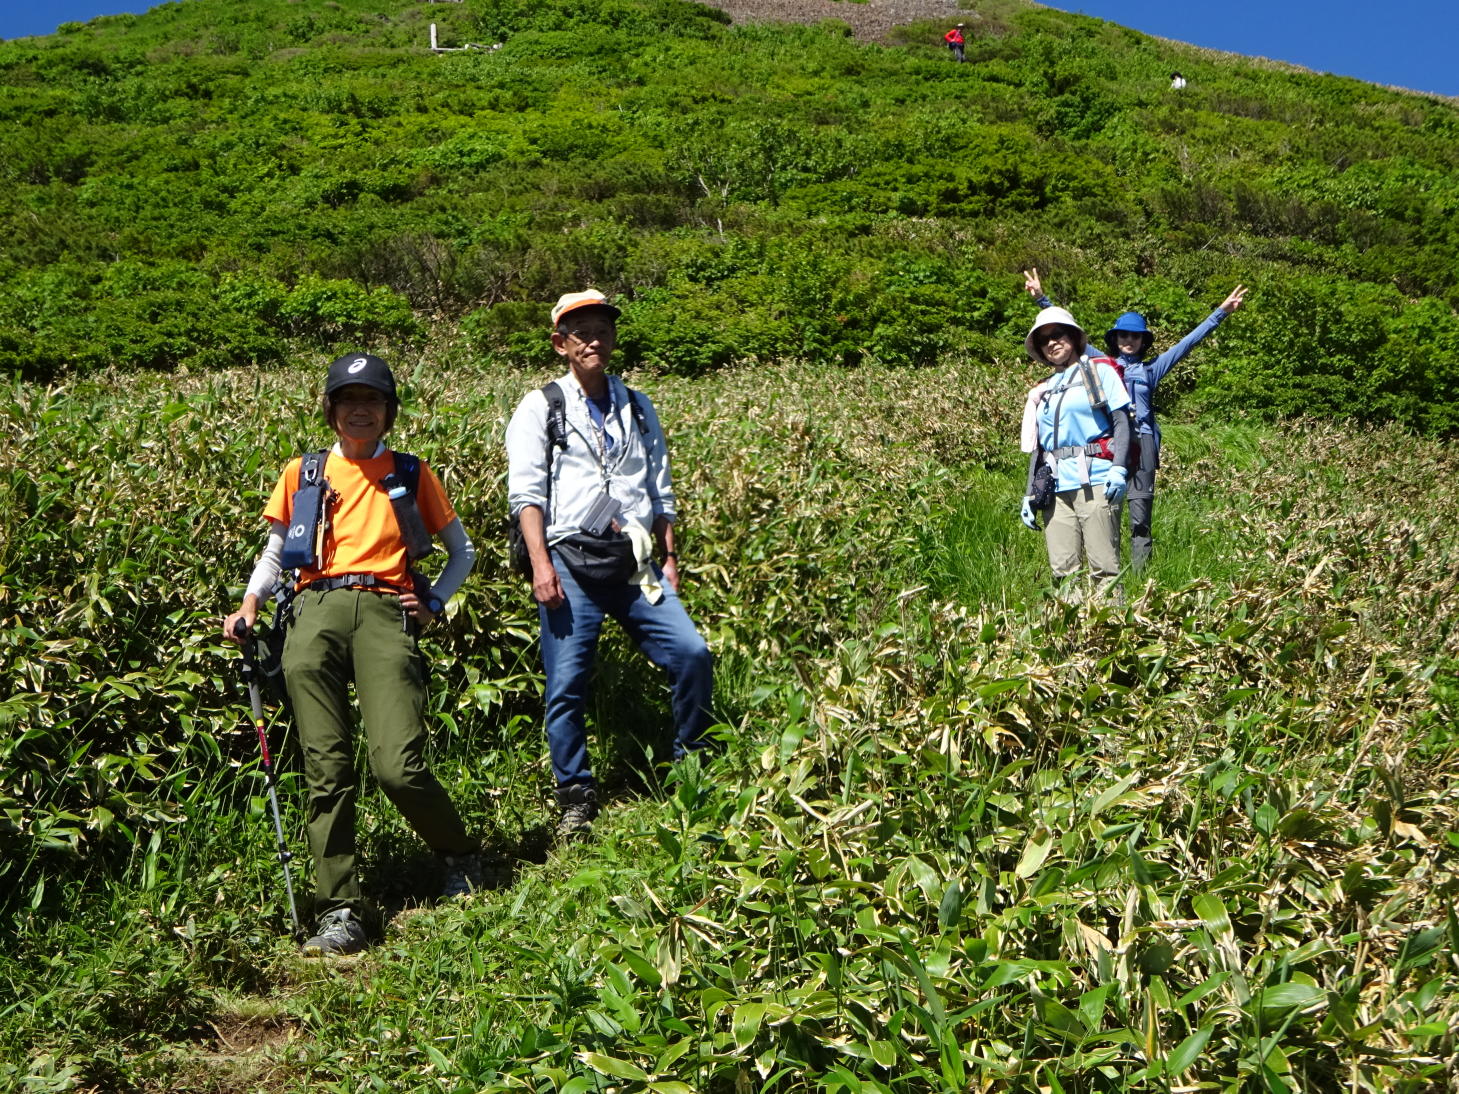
(1083, 524)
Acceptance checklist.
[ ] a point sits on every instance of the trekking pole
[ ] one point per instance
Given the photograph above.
(251, 673)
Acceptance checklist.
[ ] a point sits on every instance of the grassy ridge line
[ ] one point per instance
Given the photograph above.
(214, 183)
(947, 840)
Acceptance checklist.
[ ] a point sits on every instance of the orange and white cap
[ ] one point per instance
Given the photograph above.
(573, 301)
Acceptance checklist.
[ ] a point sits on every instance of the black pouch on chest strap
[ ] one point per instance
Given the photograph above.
(306, 514)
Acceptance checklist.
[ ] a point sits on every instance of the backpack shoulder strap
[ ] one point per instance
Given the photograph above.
(556, 419)
(407, 470)
(311, 467)
(308, 513)
(401, 486)
(556, 432)
(1090, 376)
(636, 402)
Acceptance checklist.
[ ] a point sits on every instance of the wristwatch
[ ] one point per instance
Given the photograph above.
(434, 605)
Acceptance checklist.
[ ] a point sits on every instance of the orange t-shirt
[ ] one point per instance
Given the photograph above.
(363, 535)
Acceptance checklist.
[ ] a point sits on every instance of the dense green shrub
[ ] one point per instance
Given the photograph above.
(302, 174)
(1314, 347)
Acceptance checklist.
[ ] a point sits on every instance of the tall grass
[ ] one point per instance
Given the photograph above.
(961, 836)
(973, 551)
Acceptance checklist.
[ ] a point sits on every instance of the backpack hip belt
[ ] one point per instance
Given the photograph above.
(1098, 447)
(347, 581)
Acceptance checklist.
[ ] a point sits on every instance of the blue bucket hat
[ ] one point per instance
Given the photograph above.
(1132, 322)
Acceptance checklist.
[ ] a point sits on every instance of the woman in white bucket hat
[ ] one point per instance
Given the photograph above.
(1078, 436)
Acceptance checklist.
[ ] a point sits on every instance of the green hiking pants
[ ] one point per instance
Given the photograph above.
(356, 635)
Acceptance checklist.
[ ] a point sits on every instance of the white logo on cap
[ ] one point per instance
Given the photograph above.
(357, 364)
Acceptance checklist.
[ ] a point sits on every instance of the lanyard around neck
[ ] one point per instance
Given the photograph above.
(606, 443)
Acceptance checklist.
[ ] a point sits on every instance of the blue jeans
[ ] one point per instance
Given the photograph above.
(663, 632)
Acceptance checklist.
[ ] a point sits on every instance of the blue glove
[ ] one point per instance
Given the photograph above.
(1116, 486)
(1026, 514)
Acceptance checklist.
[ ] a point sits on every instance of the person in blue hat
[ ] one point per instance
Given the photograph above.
(1128, 340)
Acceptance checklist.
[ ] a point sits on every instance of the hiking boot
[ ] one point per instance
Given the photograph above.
(339, 934)
(579, 808)
(463, 875)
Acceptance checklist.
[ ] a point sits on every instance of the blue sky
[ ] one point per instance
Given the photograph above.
(21, 17)
(1406, 43)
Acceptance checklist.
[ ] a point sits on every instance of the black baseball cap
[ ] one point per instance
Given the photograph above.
(360, 368)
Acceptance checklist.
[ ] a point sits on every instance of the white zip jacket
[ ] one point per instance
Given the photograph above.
(636, 471)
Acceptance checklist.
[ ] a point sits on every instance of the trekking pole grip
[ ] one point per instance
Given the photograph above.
(244, 633)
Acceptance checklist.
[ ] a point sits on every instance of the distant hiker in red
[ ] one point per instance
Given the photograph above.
(954, 40)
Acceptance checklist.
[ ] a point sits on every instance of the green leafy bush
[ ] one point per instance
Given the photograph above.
(757, 191)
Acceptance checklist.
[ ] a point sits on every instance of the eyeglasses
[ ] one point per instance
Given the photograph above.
(1058, 334)
(597, 332)
(361, 398)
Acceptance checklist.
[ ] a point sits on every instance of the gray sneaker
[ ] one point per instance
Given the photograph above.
(339, 933)
(579, 810)
(463, 875)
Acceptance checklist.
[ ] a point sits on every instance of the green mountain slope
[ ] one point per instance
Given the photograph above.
(218, 183)
(962, 836)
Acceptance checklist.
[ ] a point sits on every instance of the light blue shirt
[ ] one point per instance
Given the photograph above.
(1080, 422)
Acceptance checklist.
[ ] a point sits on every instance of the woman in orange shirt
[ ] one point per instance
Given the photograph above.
(355, 617)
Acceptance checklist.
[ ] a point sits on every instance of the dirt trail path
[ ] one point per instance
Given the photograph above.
(869, 21)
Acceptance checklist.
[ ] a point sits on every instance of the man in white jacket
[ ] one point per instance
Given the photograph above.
(588, 481)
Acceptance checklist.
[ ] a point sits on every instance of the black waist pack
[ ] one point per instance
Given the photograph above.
(600, 560)
(1042, 494)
